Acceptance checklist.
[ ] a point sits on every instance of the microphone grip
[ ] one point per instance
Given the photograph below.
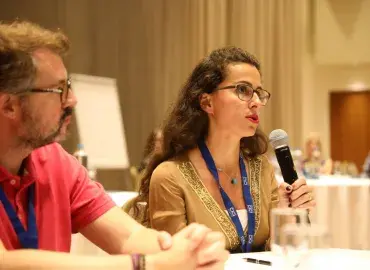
(286, 164)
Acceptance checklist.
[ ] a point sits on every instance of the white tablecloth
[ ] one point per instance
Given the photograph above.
(343, 206)
(121, 197)
(338, 259)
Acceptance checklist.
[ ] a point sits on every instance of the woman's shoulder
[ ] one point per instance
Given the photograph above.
(170, 165)
(168, 170)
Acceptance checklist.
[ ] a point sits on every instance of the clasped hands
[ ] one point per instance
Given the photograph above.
(194, 247)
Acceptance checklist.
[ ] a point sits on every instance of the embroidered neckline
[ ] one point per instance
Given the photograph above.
(254, 167)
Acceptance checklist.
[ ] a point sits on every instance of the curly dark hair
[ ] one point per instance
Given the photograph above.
(187, 123)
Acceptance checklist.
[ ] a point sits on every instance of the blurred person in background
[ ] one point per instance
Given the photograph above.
(314, 164)
(153, 146)
(366, 167)
(45, 193)
(212, 169)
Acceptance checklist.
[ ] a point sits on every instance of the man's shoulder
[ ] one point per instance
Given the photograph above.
(50, 152)
(56, 162)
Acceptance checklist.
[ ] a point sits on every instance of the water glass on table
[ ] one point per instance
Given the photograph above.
(296, 243)
(288, 243)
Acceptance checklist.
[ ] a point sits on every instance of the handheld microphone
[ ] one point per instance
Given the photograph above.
(279, 140)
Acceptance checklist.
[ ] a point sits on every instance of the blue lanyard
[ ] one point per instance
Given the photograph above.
(29, 238)
(246, 244)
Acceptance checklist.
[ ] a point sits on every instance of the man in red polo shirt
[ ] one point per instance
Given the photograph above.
(46, 195)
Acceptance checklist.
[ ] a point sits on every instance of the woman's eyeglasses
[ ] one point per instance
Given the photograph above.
(245, 92)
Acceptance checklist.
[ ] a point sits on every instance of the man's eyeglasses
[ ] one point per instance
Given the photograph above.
(245, 92)
(63, 91)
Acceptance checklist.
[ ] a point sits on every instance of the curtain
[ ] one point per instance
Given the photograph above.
(151, 46)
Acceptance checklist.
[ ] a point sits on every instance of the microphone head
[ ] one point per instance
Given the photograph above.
(278, 138)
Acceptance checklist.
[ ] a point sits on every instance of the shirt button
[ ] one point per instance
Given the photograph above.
(12, 182)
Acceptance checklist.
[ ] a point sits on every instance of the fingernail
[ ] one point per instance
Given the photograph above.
(168, 243)
(288, 188)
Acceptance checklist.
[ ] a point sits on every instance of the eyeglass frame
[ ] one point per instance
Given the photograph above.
(67, 87)
(235, 86)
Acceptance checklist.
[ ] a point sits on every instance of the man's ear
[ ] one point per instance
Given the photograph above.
(9, 105)
(205, 101)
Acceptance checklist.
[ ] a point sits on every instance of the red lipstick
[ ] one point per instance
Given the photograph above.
(253, 118)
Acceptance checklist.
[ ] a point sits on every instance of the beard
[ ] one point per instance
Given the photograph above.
(34, 137)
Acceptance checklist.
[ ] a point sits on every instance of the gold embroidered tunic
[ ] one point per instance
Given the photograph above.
(178, 197)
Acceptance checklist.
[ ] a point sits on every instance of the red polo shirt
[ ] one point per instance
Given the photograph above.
(66, 199)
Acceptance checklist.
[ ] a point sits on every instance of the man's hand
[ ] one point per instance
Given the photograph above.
(211, 253)
(156, 240)
(164, 240)
(210, 246)
(194, 247)
(181, 255)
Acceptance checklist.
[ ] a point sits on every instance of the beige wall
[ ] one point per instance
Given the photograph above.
(105, 35)
(151, 46)
(343, 25)
(337, 54)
